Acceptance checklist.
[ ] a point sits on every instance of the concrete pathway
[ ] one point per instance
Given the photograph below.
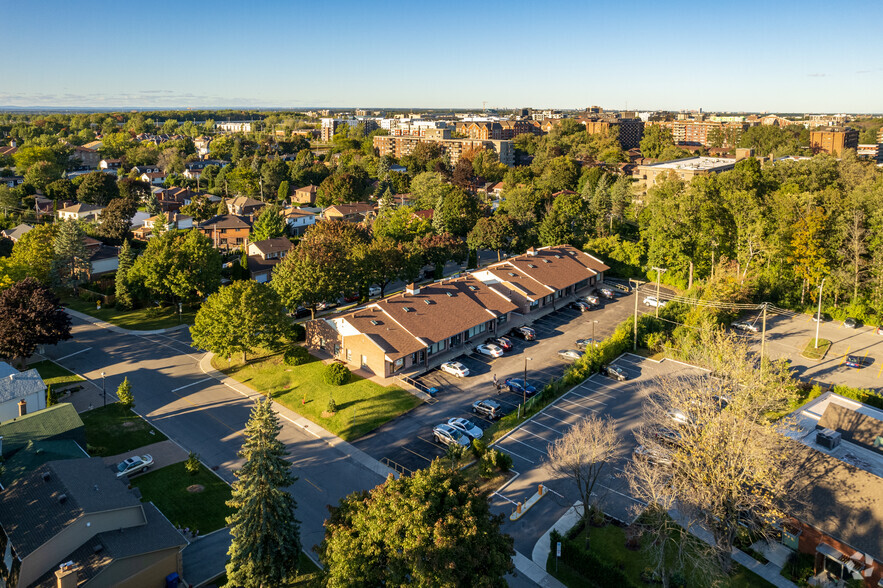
(120, 330)
(307, 425)
(542, 548)
(536, 573)
(164, 453)
(206, 557)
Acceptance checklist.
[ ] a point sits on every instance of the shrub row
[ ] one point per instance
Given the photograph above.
(596, 571)
(868, 397)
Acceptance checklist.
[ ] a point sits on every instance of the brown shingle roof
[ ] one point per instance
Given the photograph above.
(552, 268)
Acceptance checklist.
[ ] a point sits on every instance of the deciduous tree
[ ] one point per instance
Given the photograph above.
(116, 219)
(97, 188)
(269, 224)
(30, 315)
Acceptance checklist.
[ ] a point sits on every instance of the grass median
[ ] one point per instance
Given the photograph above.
(139, 319)
(816, 353)
(195, 501)
(114, 429)
(362, 405)
(54, 375)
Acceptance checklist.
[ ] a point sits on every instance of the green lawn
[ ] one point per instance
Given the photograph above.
(114, 429)
(166, 488)
(362, 405)
(810, 351)
(54, 375)
(140, 319)
(608, 543)
(309, 574)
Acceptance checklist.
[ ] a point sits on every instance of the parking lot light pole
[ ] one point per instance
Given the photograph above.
(819, 315)
(659, 271)
(524, 388)
(594, 343)
(103, 389)
(635, 320)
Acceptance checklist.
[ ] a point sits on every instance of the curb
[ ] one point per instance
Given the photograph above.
(112, 327)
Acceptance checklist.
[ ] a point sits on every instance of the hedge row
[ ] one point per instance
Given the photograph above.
(868, 397)
(596, 571)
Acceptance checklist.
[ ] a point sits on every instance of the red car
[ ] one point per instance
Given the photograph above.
(504, 343)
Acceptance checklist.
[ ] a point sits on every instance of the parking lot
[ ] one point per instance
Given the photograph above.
(407, 443)
(528, 445)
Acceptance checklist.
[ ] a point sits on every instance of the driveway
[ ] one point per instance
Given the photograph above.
(407, 443)
(163, 453)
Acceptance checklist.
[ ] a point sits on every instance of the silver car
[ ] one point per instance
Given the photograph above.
(133, 465)
(448, 435)
(467, 427)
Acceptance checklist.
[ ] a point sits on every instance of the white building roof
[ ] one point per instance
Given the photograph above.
(696, 163)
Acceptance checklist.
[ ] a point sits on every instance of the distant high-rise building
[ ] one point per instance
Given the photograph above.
(404, 145)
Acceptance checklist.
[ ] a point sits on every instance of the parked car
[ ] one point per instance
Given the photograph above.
(615, 372)
(488, 408)
(652, 301)
(816, 317)
(667, 436)
(621, 287)
(570, 354)
(455, 368)
(744, 326)
(583, 344)
(490, 350)
(374, 291)
(503, 342)
(580, 305)
(351, 297)
(680, 417)
(857, 361)
(133, 465)
(301, 312)
(850, 323)
(879, 330)
(607, 293)
(652, 454)
(592, 300)
(466, 427)
(525, 333)
(448, 435)
(519, 386)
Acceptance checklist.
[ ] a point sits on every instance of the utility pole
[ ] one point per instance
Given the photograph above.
(819, 315)
(763, 332)
(659, 271)
(635, 320)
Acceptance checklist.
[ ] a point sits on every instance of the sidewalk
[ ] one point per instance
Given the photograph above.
(116, 329)
(359, 456)
(205, 558)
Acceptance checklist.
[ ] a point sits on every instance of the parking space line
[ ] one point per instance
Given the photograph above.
(534, 434)
(507, 450)
(73, 354)
(592, 398)
(845, 354)
(592, 395)
(632, 498)
(881, 369)
(565, 410)
(557, 419)
(544, 426)
(579, 405)
(417, 454)
(543, 451)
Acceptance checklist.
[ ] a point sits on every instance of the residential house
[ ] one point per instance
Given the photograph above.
(355, 212)
(298, 219)
(12, 181)
(20, 392)
(146, 169)
(153, 178)
(72, 522)
(264, 255)
(424, 326)
(110, 164)
(202, 144)
(102, 258)
(87, 158)
(16, 233)
(192, 174)
(88, 212)
(305, 195)
(227, 231)
(174, 221)
(244, 206)
(837, 507)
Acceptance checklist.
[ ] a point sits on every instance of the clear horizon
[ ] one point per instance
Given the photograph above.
(681, 55)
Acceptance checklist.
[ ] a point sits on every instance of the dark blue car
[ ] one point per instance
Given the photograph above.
(519, 386)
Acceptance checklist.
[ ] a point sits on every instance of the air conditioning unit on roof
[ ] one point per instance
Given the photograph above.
(828, 438)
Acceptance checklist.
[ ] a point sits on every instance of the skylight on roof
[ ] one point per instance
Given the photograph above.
(473, 288)
(547, 261)
(450, 294)
(375, 323)
(557, 256)
(531, 265)
(428, 301)
(408, 309)
(512, 274)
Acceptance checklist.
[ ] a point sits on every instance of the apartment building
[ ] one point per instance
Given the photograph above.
(330, 126)
(398, 147)
(686, 169)
(833, 140)
(694, 132)
(630, 131)
(499, 131)
(424, 326)
(233, 127)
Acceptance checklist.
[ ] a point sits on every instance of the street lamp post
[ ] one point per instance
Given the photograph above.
(103, 388)
(524, 388)
(819, 314)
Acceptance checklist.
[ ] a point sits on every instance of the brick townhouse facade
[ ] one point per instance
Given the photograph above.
(398, 147)
(417, 329)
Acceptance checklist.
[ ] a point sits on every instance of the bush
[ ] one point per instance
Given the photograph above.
(864, 396)
(296, 355)
(336, 374)
(192, 464)
(603, 573)
(332, 406)
(478, 447)
(799, 567)
(298, 332)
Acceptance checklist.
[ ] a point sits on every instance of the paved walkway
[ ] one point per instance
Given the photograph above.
(206, 557)
(163, 453)
(116, 329)
(543, 547)
(307, 425)
(536, 573)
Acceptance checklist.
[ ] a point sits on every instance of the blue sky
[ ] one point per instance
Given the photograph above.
(759, 56)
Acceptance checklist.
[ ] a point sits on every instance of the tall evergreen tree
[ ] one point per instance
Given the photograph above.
(222, 207)
(152, 204)
(269, 224)
(123, 290)
(266, 535)
(70, 264)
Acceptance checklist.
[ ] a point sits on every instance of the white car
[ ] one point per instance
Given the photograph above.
(744, 326)
(490, 349)
(374, 291)
(133, 465)
(652, 301)
(467, 427)
(455, 368)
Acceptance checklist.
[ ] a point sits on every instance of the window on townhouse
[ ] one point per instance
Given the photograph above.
(364, 361)
(349, 355)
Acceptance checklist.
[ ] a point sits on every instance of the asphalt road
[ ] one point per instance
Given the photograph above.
(786, 337)
(173, 393)
(528, 446)
(408, 441)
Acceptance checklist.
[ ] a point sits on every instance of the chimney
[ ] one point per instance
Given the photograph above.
(66, 576)
(22, 407)
(412, 289)
(532, 252)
